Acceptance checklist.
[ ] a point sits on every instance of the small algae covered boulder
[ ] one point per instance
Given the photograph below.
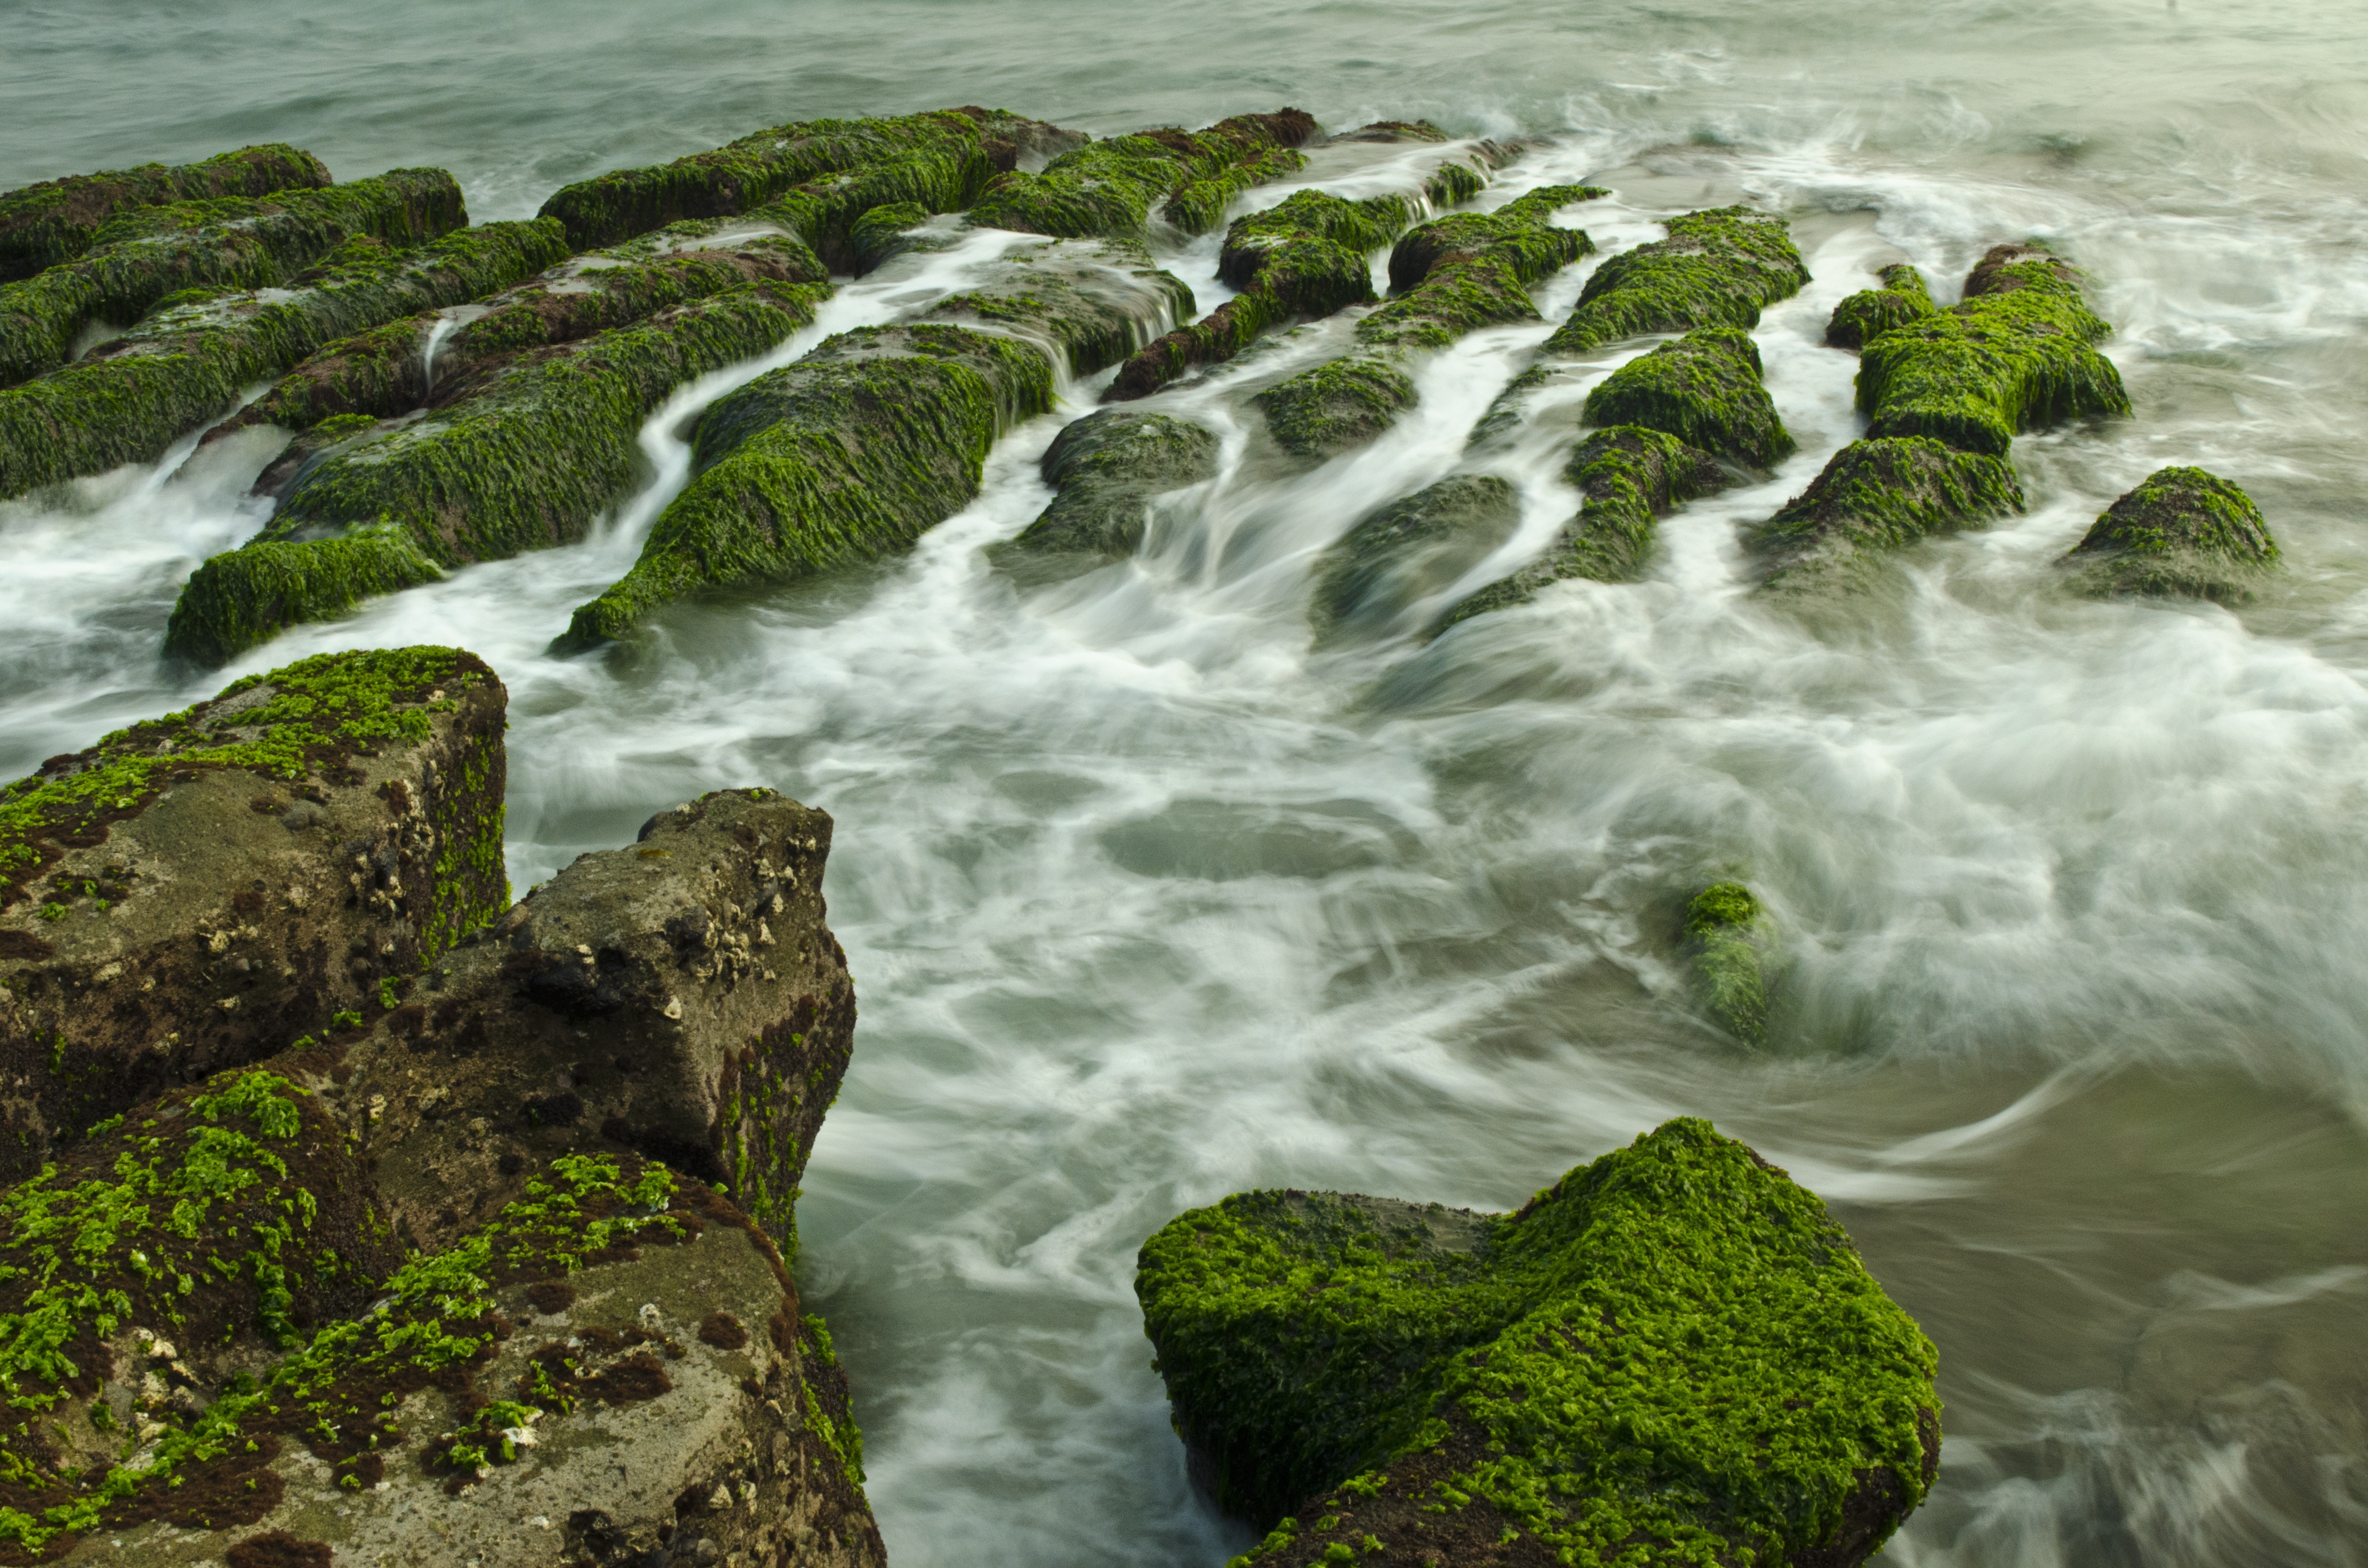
(1106, 468)
(1672, 1355)
(2016, 355)
(1410, 549)
(1872, 311)
(1726, 938)
(1875, 496)
(197, 891)
(1085, 304)
(1706, 389)
(1718, 267)
(1112, 188)
(43, 224)
(1336, 406)
(1629, 476)
(2183, 533)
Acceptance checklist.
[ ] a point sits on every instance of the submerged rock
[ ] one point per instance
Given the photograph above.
(1875, 496)
(1336, 406)
(1671, 1353)
(1869, 313)
(198, 890)
(43, 224)
(1106, 468)
(1719, 268)
(2182, 533)
(1727, 935)
(1409, 548)
(1111, 188)
(1706, 389)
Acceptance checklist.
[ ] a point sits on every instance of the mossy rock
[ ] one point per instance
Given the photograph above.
(1629, 475)
(1877, 496)
(1469, 270)
(1111, 188)
(1726, 940)
(1390, 132)
(1086, 304)
(1672, 1354)
(1362, 226)
(1106, 468)
(883, 233)
(43, 224)
(1870, 312)
(132, 398)
(1336, 406)
(2183, 533)
(825, 212)
(1409, 548)
(1706, 389)
(1720, 266)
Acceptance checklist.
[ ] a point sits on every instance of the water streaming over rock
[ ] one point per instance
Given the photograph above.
(1147, 900)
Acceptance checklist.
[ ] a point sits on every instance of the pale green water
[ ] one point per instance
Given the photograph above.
(1146, 903)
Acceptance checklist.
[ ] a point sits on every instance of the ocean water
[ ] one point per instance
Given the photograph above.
(1147, 900)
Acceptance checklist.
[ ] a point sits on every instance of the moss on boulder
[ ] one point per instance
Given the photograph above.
(1111, 187)
(1726, 938)
(1877, 496)
(190, 362)
(1336, 406)
(1085, 304)
(1106, 469)
(1671, 1353)
(1628, 475)
(1869, 313)
(825, 212)
(1409, 548)
(143, 255)
(43, 224)
(1719, 268)
(1706, 389)
(2182, 533)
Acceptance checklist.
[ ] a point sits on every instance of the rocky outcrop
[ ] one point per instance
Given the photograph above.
(1106, 469)
(1409, 550)
(2181, 534)
(147, 253)
(1111, 188)
(1728, 936)
(1719, 268)
(194, 892)
(1706, 389)
(1870, 312)
(1875, 496)
(190, 360)
(1672, 1354)
(55, 221)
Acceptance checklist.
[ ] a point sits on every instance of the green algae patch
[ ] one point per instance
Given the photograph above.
(1719, 268)
(1629, 475)
(1335, 406)
(1672, 1355)
(1105, 469)
(1875, 496)
(1410, 548)
(43, 224)
(1111, 187)
(2183, 533)
(825, 212)
(883, 233)
(1727, 933)
(1706, 389)
(149, 253)
(1086, 304)
(1870, 312)
(524, 461)
(2016, 356)
(190, 363)
(875, 437)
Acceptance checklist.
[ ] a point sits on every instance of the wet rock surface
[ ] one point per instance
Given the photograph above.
(2183, 533)
(1107, 468)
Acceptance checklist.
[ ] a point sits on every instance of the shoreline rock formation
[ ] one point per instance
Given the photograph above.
(1673, 1353)
(2182, 533)
(52, 222)
(1106, 469)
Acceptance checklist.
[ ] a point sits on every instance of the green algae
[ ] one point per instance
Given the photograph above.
(852, 452)
(1335, 406)
(1411, 547)
(882, 232)
(1673, 1355)
(1870, 312)
(1110, 187)
(143, 256)
(1726, 933)
(525, 461)
(1706, 389)
(1362, 226)
(189, 363)
(1877, 496)
(2182, 533)
(1628, 475)
(1105, 468)
(825, 212)
(1085, 304)
(1201, 206)
(1720, 266)
(43, 224)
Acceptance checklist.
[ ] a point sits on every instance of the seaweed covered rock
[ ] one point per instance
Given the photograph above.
(1719, 268)
(1628, 475)
(1106, 469)
(1410, 549)
(197, 891)
(1085, 304)
(190, 361)
(1671, 1354)
(1304, 257)
(852, 452)
(136, 260)
(2016, 355)
(1872, 311)
(1111, 187)
(43, 224)
(1706, 389)
(1335, 406)
(1875, 496)
(767, 165)
(827, 213)
(2182, 533)
(524, 458)
(1726, 938)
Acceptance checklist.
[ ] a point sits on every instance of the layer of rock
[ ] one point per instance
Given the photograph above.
(1719, 268)
(43, 224)
(1410, 550)
(1706, 389)
(2183, 534)
(1875, 496)
(1106, 469)
(1870, 312)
